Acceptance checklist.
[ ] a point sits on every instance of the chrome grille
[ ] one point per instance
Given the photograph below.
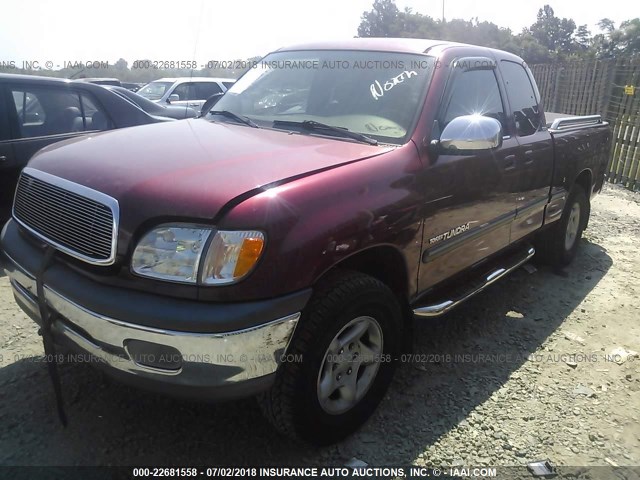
(73, 218)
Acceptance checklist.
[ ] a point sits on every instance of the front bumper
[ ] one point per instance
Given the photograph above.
(225, 364)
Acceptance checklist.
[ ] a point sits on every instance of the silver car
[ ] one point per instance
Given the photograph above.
(187, 91)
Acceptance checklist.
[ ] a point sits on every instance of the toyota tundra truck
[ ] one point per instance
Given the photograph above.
(283, 245)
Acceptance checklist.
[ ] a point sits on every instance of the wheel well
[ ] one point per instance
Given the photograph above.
(584, 180)
(383, 263)
(386, 264)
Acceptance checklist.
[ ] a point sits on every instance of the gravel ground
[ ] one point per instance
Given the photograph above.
(528, 370)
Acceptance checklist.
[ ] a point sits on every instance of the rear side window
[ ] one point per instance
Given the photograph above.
(51, 111)
(522, 98)
(228, 85)
(28, 108)
(94, 116)
(475, 92)
(205, 90)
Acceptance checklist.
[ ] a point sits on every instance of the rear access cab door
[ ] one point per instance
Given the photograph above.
(533, 162)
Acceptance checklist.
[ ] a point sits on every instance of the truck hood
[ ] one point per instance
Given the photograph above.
(190, 168)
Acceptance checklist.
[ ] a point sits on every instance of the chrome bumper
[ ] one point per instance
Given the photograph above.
(203, 359)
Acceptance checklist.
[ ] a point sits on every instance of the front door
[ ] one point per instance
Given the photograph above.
(469, 205)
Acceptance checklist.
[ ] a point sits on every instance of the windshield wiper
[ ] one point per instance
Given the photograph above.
(313, 125)
(234, 116)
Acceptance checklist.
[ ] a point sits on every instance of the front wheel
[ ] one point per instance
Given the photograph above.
(558, 245)
(344, 348)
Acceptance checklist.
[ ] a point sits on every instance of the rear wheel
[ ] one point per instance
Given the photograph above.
(558, 245)
(344, 352)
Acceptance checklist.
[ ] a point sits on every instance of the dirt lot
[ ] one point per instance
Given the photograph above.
(525, 371)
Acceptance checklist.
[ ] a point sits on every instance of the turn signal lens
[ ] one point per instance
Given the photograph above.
(249, 254)
(231, 256)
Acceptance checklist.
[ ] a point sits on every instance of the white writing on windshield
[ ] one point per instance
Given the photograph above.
(378, 89)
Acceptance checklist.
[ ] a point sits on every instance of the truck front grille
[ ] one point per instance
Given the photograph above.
(75, 219)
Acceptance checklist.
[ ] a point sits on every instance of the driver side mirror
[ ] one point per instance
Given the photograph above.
(471, 132)
(173, 98)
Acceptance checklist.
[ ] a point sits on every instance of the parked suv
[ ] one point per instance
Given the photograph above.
(187, 91)
(37, 111)
(282, 245)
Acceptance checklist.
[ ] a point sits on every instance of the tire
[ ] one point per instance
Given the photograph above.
(344, 305)
(557, 246)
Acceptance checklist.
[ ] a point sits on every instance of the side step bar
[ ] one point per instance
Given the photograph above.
(509, 265)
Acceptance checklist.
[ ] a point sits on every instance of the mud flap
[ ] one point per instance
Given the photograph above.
(47, 336)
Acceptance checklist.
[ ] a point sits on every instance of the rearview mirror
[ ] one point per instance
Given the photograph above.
(471, 132)
(173, 98)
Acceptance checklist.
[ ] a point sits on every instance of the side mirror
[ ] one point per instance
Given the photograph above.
(471, 132)
(173, 98)
(210, 102)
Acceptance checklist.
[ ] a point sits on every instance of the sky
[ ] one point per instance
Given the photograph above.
(80, 31)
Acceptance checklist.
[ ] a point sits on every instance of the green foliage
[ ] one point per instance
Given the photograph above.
(553, 33)
(381, 21)
(549, 39)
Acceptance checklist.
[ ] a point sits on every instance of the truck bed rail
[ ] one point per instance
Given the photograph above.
(571, 123)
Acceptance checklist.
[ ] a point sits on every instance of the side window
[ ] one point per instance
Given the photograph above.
(28, 108)
(53, 111)
(185, 91)
(95, 118)
(228, 85)
(206, 89)
(475, 92)
(522, 98)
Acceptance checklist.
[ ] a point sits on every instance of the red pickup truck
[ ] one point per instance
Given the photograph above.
(282, 245)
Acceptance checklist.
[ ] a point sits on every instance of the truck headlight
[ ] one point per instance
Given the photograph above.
(174, 253)
(171, 252)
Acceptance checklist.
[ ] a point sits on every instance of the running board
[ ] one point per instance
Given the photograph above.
(504, 267)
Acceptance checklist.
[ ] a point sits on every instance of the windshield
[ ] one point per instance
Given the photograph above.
(373, 93)
(154, 90)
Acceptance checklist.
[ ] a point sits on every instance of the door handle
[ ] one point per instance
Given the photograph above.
(528, 157)
(510, 162)
(3, 158)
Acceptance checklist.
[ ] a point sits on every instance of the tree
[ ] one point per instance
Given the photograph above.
(381, 21)
(624, 40)
(550, 38)
(583, 37)
(607, 25)
(630, 36)
(530, 49)
(121, 64)
(552, 32)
